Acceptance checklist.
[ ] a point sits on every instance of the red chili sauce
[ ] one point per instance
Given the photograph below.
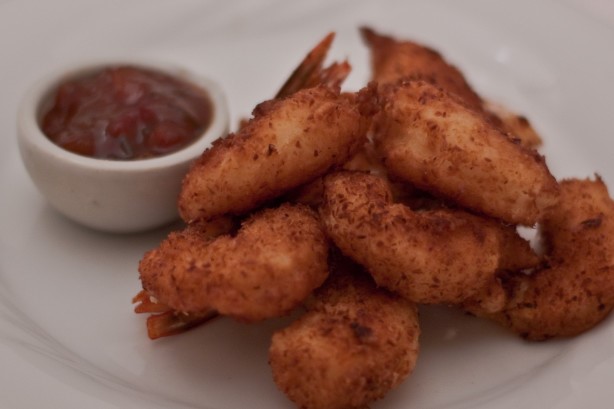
(127, 112)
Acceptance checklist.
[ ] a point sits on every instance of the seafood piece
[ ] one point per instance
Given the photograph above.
(575, 290)
(308, 128)
(272, 263)
(518, 126)
(431, 256)
(365, 160)
(430, 139)
(355, 343)
(163, 321)
(287, 143)
(393, 61)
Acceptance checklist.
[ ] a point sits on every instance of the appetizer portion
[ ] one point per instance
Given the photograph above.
(408, 191)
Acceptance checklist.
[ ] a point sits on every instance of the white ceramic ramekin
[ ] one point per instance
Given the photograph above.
(110, 195)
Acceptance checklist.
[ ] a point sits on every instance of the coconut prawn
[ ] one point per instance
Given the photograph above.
(354, 344)
(305, 130)
(432, 256)
(574, 290)
(394, 61)
(421, 189)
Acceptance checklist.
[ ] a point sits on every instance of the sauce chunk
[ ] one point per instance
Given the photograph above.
(126, 112)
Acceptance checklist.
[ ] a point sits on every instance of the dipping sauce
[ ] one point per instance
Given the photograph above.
(127, 112)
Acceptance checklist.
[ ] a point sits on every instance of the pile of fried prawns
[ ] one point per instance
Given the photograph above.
(356, 207)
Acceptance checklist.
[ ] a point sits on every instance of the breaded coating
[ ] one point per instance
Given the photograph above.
(430, 139)
(394, 60)
(431, 256)
(575, 291)
(514, 124)
(270, 266)
(355, 343)
(365, 160)
(287, 143)
(516, 254)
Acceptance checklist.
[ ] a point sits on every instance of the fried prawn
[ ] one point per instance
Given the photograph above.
(394, 60)
(575, 290)
(287, 143)
(267, 268)
(432, 140)
(355, 343)
(432, 256)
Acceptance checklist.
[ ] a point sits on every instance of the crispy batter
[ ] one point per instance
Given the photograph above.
(432, 140)
(287, 143)
(516, 125)
(575, 291)
(432, 256)
(355, 343)
(365, 160)
(269, 267)
(434, 183)
(393, 61)
(516, 255)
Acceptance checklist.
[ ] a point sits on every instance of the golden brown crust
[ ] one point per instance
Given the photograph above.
(516, 253)
(575, 291)
(393, 61)
(432, 256)
(354, 344)
(269, 267)
(289, 142)
(513, 124)
(432, 140)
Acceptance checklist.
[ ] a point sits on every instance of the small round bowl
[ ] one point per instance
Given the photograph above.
(110, 195)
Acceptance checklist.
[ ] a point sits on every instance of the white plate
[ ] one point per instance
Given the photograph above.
(68, 337)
